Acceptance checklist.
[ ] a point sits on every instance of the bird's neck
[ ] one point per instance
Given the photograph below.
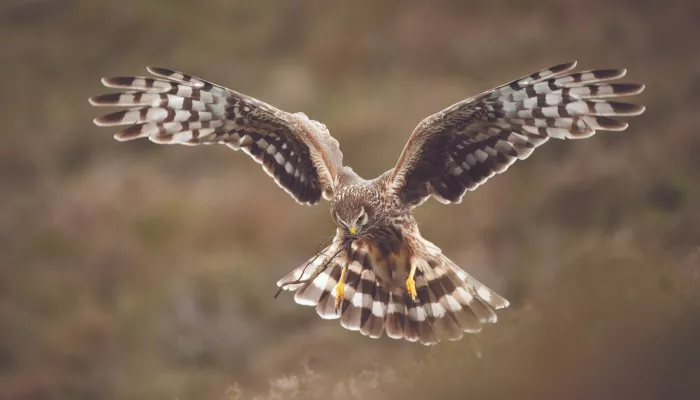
(348, 177)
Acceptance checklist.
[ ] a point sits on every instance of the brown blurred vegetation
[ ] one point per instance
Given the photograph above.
(135, 271)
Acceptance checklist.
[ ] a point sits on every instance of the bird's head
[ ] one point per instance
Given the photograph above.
(353, 219)
(355, 205)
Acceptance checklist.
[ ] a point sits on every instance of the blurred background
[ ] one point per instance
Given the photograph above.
(136, 271)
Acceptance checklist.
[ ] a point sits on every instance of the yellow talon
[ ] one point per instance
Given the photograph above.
(411, 287)
(339, 294)
(411, 283)
(340, 288)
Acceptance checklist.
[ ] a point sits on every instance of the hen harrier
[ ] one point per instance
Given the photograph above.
(379, 274)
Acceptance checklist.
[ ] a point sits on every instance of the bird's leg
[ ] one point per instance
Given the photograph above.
(410, 282)
(340, 288)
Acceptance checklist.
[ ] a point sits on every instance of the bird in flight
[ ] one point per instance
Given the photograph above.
(379, 274)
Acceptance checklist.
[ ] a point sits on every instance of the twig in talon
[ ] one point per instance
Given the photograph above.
(303, 271)
(313, 276)
(318, 252)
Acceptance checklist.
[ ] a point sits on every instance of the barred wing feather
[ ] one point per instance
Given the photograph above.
(176, 108)
(462, 146)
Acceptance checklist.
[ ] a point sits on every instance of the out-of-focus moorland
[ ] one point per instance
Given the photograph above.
(136, 271)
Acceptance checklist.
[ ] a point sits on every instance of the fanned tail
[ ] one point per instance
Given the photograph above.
(449, 301)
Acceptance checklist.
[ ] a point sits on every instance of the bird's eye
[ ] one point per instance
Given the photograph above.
(363, 218)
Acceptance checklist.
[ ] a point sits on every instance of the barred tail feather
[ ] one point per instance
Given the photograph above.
(373, 307)
(396, 318)
(449, 301)
(351, 313)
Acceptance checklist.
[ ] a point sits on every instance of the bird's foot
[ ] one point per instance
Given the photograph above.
(340, 289)
(411, 287)
(339, 294)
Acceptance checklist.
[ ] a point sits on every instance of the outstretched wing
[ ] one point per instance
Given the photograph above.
(462, 146)
(173, 107)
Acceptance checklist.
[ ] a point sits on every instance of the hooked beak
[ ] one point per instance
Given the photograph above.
(352, 230)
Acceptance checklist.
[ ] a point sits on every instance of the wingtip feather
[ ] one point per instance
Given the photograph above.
(160, 71)
(119, 137)
(627, 109)
(613, 73)
(628, 89)
(118, 82)
(99, 121)
(569, 65)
